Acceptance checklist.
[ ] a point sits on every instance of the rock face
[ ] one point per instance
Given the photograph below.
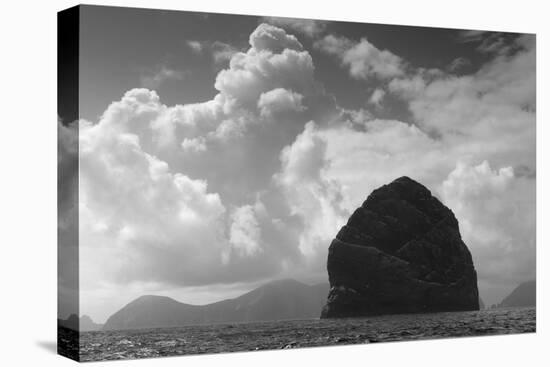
(400, 252)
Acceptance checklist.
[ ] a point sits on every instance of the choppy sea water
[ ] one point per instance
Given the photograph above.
(146, 343)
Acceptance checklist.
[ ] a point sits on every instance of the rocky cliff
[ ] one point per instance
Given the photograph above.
(400, 252)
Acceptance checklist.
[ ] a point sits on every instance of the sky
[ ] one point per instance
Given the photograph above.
(218, 152)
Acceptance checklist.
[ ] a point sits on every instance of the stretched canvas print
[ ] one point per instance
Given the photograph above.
(240, 183)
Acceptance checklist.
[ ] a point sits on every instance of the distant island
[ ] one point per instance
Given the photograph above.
(85, 323)
(524, 295)
(285, 299)
(400, 252)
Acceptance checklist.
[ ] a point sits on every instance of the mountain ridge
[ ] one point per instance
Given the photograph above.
(84, 323)
(522, 296)
(281, 299)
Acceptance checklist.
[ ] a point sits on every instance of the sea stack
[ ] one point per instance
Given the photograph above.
(400, 252)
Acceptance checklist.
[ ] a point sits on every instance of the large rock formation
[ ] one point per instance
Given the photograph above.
(400, 252)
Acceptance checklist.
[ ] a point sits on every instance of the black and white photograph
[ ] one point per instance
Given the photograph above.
(234, 183)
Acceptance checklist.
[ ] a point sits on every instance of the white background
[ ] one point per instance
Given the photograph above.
(28, 182)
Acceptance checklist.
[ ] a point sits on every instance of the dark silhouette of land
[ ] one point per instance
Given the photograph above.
(400, 252)
(524, 295)
(278, 300)
(85, 323)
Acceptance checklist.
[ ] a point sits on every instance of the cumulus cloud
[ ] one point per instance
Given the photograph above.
(269, 81)
(273, 39)
(265, 97)
(245, 235)
(279, 100)
(255, 182)
(491, 111)
(186, 121)
(363, 59)
(304, 159)
(138, 211)
(362, 160)
(496, 213)
(312, 196)
(153, 227)
(308, 27)
(485, 116)
(274, 60)
(254, 73)
(195, 145)
(409, 86)
(376, 97)
(222, 52)
(147, 173)
(249, 89)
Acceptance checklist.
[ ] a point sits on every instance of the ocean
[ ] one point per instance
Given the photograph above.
(222, 338)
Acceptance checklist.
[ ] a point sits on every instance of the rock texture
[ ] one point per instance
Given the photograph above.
(400, 252)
